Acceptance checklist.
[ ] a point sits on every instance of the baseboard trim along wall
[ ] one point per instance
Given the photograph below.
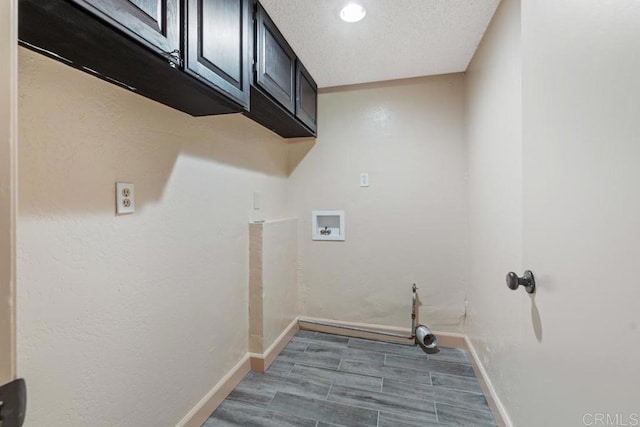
(201, 412)
(499, 413)
(305, 323)
(249, 362)
(261, 362)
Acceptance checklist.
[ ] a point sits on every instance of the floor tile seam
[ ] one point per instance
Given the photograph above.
(479, 393)
(393, 411)
(328, 392)
(431, 359)
(396, 412)
(337, 371)
(290, 370)
(315, 366)
(436, 398)
(415, 400)
(447, 362)
(483, 411)
(420, 359)
(490, 414)
(367, 354)
(381, 376)
(435, 401)
(321, 400)
(266, 408)
(277, 380)
(378, 351)
(327, 343)
(454, 375)
(286, 413)
(431, 370)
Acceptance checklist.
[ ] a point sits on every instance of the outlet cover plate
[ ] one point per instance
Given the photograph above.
(125, 198)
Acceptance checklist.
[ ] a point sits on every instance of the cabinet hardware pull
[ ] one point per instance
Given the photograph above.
(174, 58)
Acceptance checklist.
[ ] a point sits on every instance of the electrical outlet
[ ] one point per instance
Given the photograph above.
(125, 198)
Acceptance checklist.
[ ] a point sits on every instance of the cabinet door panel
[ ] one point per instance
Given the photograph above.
(218, 45)
(152, 8)
(275, 71)
(306, 99)
(156, 23)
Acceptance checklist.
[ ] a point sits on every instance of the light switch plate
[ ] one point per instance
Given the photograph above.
(364, 179)
(125, 198)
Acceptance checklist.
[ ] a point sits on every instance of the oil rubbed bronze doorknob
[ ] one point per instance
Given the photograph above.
(527, 280)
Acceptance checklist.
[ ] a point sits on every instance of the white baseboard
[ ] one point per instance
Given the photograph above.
(250, 361)
(307, 324)
(261, 362)
(499, 412)
(201, 412)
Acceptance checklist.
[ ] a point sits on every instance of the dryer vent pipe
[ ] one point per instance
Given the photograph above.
(425, 337)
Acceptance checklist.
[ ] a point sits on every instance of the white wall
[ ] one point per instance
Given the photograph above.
(568, 355)
(131, 320)
(409, 226)
(581, 211)
(494, 137)
(8, 165)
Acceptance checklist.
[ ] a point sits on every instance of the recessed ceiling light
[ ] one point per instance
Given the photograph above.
(352, 12)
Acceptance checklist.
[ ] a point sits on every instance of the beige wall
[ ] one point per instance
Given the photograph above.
(131, 320)
(8, 165)
(280, 257)
(494, 137)
(273, 281)
(409, 226)
(568, 355)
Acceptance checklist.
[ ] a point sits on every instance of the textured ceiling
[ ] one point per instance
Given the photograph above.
(397, 39)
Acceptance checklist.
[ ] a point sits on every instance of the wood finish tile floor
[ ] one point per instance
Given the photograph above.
(322, 380)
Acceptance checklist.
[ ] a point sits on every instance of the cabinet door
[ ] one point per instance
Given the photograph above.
(155, 23)
(306, 97)
(275, 68)
(217, 48)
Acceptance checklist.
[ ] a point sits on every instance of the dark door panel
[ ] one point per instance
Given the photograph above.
(307, 95)
(217, 49)
(275, 70)
(155, 23)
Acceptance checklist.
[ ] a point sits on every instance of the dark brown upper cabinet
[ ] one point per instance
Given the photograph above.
(275, 62)
(202, 57)
(217, 45)
(155, 23)
(306, 96)
(283, 94)
(106, 43)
